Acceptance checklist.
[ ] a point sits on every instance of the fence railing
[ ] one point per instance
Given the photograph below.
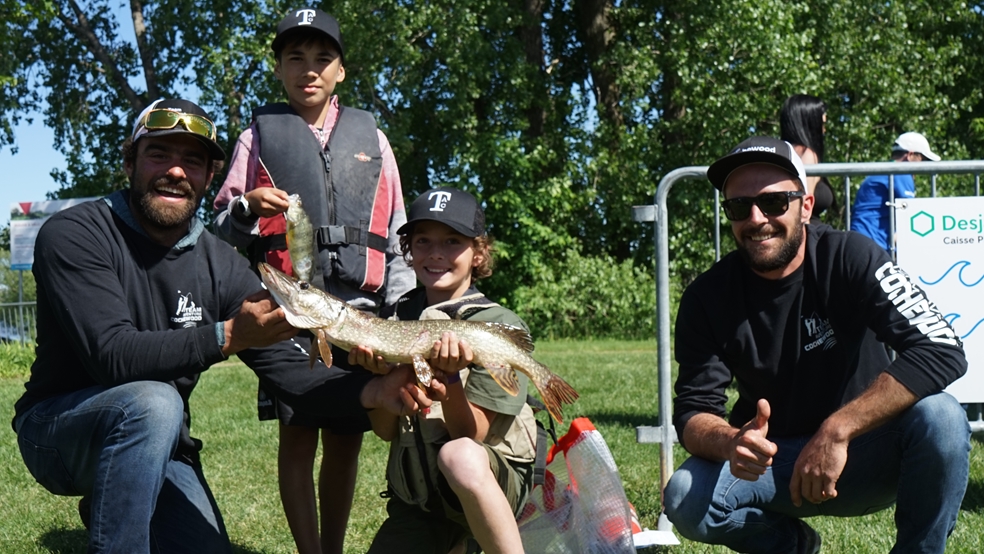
(664, 434)
(18, 322)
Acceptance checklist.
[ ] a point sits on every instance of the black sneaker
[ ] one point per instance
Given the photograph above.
(85, 510)
(807, 540)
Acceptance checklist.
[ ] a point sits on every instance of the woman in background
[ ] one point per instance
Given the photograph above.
(802, 123)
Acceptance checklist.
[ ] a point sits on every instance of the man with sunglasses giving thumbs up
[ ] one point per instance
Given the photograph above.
(825, 423)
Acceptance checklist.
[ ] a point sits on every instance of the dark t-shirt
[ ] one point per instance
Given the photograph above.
(824, 199)
(808, 343)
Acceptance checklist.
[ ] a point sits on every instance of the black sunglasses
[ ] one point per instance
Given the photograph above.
(771, 203)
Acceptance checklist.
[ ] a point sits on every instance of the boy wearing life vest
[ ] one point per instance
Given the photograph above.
(344, 170)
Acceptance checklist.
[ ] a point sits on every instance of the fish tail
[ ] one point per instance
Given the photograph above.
(555, 391)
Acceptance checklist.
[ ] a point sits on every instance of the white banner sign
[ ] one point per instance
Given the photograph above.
(941, 246)
(26, 219)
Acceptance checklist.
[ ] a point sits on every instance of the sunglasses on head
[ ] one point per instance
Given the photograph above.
(770, 203)
(166, 119)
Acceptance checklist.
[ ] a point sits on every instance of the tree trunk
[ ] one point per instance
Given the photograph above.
(595, 27)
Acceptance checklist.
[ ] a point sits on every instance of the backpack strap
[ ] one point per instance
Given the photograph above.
(540, 463)
(422, 453)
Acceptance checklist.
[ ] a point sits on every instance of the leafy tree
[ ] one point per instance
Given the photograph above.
(559, 114)
(882, 69)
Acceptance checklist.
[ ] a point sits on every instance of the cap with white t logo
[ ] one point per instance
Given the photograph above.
(455, 208)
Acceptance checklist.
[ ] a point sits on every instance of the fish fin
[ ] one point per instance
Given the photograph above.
(422, 342)
(423, 370)
(516, 335)
(313, 352)
(324, 347)
(555, 391)
(505, 375)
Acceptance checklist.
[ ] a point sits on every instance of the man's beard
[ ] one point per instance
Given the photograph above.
(166, 214)
(780, 259)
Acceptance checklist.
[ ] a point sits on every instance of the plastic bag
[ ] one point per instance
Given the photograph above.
(581, 506)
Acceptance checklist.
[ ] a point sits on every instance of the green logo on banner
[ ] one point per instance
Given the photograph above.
(922, 224)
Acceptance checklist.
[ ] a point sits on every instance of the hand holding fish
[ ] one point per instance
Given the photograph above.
(449, 354)
(396, 392)
(363, 356)
(260, 322)
(392, 395)
(267, 201)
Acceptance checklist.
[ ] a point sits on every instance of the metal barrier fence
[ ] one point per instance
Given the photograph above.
(18, 322)
(664, 434)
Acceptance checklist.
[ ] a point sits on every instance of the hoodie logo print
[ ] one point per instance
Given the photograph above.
(188, 313)
(820, 333)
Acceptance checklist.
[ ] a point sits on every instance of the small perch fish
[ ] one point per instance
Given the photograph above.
(300, 239)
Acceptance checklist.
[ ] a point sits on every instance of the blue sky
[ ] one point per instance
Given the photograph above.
(25, 175)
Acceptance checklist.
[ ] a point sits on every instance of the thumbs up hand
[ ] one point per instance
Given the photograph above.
(751, 452)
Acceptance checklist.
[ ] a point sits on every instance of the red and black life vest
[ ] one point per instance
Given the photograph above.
(340, 188)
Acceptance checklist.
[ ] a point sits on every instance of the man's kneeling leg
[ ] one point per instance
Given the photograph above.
(706, 503)
(187, 518)
(934, 472)
(112, 444)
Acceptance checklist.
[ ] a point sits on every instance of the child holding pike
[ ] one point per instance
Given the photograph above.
(464, 466)
(342, 167)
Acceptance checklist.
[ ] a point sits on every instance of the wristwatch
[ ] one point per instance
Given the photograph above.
(241, 210)
(244, 204)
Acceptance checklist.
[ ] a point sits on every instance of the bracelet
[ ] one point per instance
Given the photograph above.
(453, 378)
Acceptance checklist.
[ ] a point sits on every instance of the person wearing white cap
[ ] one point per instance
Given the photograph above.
(870, 215)
(136, 299)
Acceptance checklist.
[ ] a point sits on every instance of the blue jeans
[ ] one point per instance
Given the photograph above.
(919, 461)
(116, 446)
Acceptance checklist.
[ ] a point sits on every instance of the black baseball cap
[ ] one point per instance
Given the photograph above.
(455, 208)
(757, 150)
(312, 18)
(203, 131)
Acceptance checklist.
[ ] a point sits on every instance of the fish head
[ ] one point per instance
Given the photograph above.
(306, 306)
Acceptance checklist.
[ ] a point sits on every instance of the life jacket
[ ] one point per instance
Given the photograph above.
(339, 187)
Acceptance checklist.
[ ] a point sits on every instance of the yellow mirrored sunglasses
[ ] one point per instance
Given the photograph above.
(167, 119)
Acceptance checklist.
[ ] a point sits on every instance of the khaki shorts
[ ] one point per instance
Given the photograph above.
(409, 529)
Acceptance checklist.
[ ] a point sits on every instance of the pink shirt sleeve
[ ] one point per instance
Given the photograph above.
(240, 178)
(400, 278)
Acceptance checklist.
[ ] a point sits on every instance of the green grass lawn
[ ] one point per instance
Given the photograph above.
(617, 383)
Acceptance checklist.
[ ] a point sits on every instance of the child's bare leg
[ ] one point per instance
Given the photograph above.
(465, 465)
(336, 486)
(295, 464)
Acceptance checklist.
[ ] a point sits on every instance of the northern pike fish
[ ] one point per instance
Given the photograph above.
(300, 238)
(499, 348)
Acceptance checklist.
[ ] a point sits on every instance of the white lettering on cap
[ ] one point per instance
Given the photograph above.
(760, 149)
(441, 199)
(306, 16)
